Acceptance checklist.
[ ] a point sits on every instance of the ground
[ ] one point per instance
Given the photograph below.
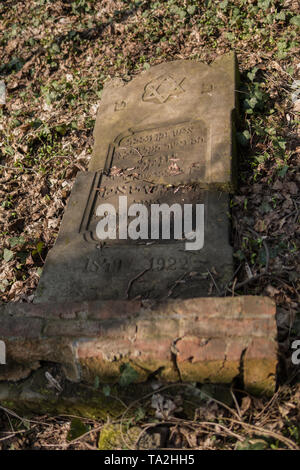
(55, 58)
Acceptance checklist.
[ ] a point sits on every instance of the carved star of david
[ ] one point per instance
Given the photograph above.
(162, 88)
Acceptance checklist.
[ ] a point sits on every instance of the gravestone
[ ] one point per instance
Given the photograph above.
(181, 110)
(166, 137)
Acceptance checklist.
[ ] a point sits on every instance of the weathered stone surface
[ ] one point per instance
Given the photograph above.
(24, 327)
(179, 112)
(81, 268)
(259, 375)
(201, 339)
(163, 138)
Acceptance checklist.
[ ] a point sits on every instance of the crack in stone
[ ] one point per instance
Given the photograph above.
(223, 363)
(133, 338)
(240, 376)
(174, 352)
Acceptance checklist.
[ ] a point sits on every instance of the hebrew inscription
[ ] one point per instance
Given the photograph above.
(171, 153)
(108, 189)
(167, 95)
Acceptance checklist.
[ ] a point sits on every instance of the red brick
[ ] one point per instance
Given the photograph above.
(207, 337)
(197, 349)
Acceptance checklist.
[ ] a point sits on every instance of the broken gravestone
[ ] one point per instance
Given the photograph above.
(133, 283)
(163, 140)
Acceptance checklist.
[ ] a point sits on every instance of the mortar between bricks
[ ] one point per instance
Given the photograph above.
(214, 340)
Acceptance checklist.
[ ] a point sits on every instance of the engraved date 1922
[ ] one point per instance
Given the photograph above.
(160, 263)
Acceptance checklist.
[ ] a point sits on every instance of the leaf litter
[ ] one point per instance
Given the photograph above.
(55, 59)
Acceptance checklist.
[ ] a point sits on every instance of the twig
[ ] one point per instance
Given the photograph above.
(241, 284)
(133, 280)
(225, 429)
(171, 290)
(233, 286)
(258, 430)
(18, 169)
(98, 428)
(15, 415)
(12, 434)
(215, 284)
(236, 403)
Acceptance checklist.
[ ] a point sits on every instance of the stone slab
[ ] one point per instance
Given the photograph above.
(80, 267)
(172, 123)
